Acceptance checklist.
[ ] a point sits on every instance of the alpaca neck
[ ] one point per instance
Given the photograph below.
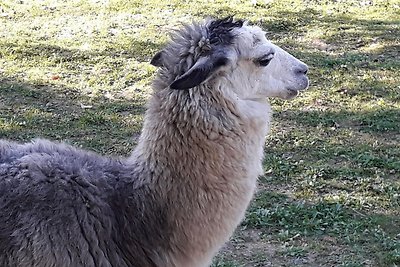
(203, 152)
(186, 131)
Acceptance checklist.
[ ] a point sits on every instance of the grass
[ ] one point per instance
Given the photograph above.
(78, 71)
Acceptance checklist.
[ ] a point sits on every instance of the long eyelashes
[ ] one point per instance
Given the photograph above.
(265, 60)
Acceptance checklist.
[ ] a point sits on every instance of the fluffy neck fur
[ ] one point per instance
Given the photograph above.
(203, 147)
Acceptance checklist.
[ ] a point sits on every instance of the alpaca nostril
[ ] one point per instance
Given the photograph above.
(303, 69)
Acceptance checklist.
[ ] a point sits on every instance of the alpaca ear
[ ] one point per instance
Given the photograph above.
(197, 74)
(157, 59)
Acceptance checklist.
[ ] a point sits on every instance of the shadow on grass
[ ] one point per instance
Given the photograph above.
(56, 54)
(298, 22)
(30, 111)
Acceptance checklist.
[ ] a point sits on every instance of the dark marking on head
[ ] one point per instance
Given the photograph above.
(199, 73)
(197, 51)
(219, 35)
(220, 30)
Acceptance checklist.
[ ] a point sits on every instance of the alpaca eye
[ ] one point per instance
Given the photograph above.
(265, 60)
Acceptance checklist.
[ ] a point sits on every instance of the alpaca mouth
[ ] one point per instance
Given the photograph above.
(292, 92)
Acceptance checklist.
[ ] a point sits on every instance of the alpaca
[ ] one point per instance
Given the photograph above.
(184, 189)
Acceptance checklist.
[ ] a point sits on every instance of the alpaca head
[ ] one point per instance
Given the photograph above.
(232, 53)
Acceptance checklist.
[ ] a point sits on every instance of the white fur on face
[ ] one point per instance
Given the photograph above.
(283, 77)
